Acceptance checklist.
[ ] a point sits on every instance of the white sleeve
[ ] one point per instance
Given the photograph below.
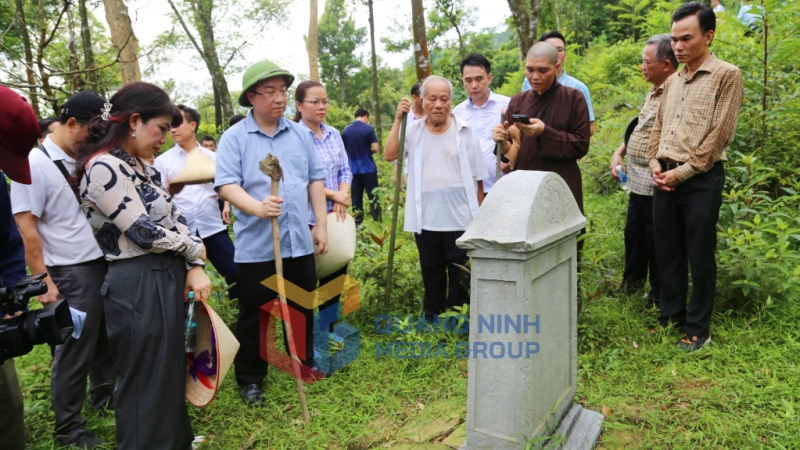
(30, 197)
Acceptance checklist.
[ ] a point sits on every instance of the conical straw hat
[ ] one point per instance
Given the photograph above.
(341, 246)
(198, 169)
(208, 365)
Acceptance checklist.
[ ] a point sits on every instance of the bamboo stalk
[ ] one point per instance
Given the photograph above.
(395, 205)
(271, 167)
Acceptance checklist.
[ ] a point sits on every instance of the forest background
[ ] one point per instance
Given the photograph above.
(741, 393)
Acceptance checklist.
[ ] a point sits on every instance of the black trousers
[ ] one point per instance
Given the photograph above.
(144, 311)
(685, 226)
(326, 280)
(250, 367)
(362, 182)
(640, 246)
(437, 253)
(91, 355)
(220, 250)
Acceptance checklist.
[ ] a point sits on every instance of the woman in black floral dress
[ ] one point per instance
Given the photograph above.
(153, 263)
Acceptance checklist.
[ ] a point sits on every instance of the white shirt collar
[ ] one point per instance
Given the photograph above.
(491, 99)
(55, 151)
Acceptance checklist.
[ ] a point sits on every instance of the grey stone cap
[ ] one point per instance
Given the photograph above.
(525, 210)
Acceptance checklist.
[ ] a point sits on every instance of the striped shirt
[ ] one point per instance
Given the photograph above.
(697, 118)
(334, 156)
(640, 179)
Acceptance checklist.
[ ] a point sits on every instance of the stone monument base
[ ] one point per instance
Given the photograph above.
(581, 429)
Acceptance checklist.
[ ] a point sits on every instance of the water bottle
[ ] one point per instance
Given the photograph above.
(623, 177)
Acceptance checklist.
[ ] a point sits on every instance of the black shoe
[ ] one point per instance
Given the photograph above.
(694, 343)
(252, 394)
(82, 440)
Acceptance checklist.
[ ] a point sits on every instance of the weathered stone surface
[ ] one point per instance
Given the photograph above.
(523, 333)
(426, 446)
(581, 428)
(457, 437)
(527, 210)
(428, 429)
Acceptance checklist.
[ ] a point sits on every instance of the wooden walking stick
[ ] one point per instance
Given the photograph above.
(271, 167)
(397, 182)
(498, 148)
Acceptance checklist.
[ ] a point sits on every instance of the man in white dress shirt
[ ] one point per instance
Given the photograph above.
(199, 203)
(482, 110)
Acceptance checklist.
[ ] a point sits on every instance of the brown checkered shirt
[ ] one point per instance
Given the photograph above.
(697, 118)
(640, 180)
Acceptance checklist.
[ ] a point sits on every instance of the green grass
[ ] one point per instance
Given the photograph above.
(741, 392)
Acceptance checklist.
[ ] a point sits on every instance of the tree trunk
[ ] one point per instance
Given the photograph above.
(76, 81)
(123, 39)
(421, 62)
(211, 59)
(558, 14)
(376, 105)
(313, 40)
(44, 41)
(26, 43)
(526, 19)
(88, 53)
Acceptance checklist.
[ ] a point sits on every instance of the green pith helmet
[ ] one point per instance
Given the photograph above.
(261, 71)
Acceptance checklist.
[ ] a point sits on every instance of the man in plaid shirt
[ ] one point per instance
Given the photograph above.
(658, 63)
(696, 121)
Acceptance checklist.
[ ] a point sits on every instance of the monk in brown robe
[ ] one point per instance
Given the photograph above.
(558, 133)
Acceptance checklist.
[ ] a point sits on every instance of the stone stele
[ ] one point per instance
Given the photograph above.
(523, 333)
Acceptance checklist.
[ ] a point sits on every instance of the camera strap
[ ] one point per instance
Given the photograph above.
(61, 167)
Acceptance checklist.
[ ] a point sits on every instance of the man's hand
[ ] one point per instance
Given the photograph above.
(52, 295)
(535, 129)
(270, 207)
(320, 235)
(505, 167)
(665, 181)
(617, 160)
(403, 107)
(500, 133)
(226, 213)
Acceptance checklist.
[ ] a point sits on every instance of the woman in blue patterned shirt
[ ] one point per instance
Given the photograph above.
(153, 263)
(312, 103)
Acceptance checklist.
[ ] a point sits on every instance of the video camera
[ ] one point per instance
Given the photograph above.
(52, 324)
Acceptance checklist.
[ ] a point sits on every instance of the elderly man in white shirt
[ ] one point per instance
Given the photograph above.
(199, 203)
(482, 110)
(445, 190)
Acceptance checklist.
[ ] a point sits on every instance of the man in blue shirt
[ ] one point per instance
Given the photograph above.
(361, 142)
(557, 39)
(239, 181)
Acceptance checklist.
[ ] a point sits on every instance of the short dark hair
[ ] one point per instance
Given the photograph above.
(415, 88)
(208, 138)
(553, 34)
(236, 119)
(44, 124)
(65, 118)
(476, 60)
(361, 112)
(705, 15)
(191, 114)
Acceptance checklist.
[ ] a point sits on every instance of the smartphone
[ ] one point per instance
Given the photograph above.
(521, 118)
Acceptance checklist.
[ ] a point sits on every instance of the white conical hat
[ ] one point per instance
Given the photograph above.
(216, 348)
(198, 169)
(341, 245)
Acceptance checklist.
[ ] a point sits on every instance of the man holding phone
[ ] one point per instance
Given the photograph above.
(546, 128)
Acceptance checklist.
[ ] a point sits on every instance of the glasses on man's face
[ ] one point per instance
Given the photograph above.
(271, 94)
(316, 102)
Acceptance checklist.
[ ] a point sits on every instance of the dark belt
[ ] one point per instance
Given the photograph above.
(100, 260)
(669, 165)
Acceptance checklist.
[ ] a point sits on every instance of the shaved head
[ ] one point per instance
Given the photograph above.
(544, 50)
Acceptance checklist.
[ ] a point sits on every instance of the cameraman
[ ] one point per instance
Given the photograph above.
(59, 240)
(19, 132)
